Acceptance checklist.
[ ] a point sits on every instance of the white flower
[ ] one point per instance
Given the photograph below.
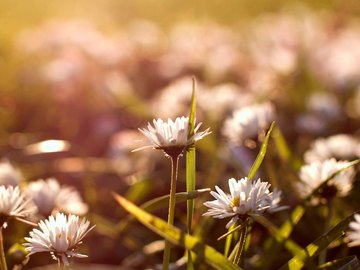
(354, 234)
(314, 174)
(58, 235)
(12, 204)
(247, 122)
(246, 198)
(172, 135)
(340, 146)
(49, 196)
(9, 176)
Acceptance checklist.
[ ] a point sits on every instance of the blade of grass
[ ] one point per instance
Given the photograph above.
(228, 241)
(230, 231)
(283, 149)
(160, 202)
(176, 236)
(313, 249)
(190, 170)
(261, 155)
(346, 263)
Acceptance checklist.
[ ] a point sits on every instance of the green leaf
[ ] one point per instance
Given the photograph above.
(191, 169)
(176, 236)
(261, 155)
(346, 263)
(161, 202)
(313, 249)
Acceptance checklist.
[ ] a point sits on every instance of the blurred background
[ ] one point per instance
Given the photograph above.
(78, 78)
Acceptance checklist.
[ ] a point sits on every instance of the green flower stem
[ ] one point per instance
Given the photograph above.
(174, 171)
(241, 244)
(2, 253)
(322, 255)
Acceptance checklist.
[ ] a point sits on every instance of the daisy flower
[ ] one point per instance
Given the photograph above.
(172, 136)
(48, 196)
(354, 233)
(9, 176)
(12, 204)
(340, 146)
(59, 235)
(246, 198)
(314, 174)
(247, 122)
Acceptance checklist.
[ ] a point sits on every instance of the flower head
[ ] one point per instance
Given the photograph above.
(172, 136)
(59, 235)
(247, 122)
(49, 195)
(8, 174)
(340, 146)
(354, 234)
(12, 204)
(246, 198)
(315, 173)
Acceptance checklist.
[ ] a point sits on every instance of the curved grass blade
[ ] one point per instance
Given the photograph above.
(176, 236)
(346, 263)
(231, 230)
(161, 202)
(261, 155)
(313, 249)
(283, 149)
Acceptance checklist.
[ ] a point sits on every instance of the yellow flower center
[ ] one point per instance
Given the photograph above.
(235, 202)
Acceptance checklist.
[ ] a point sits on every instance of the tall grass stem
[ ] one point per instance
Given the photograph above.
(174, 171)
(2, 253)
